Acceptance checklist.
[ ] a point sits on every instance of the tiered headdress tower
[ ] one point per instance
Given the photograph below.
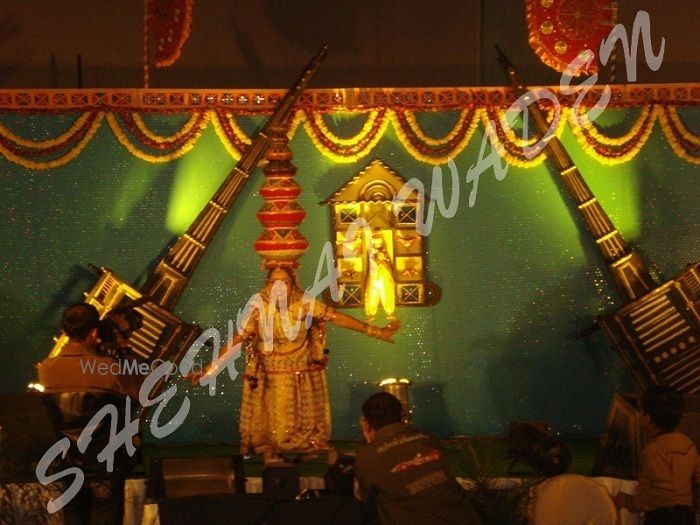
(280, 244)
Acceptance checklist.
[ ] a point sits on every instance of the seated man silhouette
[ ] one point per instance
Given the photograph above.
(79, 381)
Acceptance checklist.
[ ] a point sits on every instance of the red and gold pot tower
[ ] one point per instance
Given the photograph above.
(280, 244)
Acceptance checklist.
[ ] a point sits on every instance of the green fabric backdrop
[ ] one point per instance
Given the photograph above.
(519, 274)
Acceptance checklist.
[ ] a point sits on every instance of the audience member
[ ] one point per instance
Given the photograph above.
(80, 381)
(405, 471)
(571, 499)
(669, 466)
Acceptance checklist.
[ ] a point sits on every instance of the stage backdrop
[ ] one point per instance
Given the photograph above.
(89, 178)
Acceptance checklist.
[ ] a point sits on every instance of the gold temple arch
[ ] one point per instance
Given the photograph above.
(379, 254)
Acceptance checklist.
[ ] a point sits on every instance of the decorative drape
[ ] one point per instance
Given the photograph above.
(560, 30)
(169, 22)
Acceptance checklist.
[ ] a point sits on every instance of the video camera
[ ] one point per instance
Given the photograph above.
(116, 328)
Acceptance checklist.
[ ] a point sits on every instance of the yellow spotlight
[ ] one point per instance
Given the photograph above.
(35, 386)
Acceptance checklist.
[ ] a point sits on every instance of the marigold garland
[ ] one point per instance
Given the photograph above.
(350, 149)
(195, 120)
(232, 146)
(234, 130)
(149, 157)
(296, 119)
(319, 126)
(430, 149)
(50, 150)
(500, 117)
(511, 152)
(131, 131)
(681, 146)
(234, 138)
(671, 112)
(466, 116)
(66, 158)
(606, 151)
(64, 137)
(514, 147)
(163, 143)
(579, 119)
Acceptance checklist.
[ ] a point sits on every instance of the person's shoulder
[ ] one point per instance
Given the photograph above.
(423, 433)
(655, 443)
(667, 442)
(45, 369)
(73, 356)
(77, 349)
(671, 437)
(367, 449)
(682, 435)
(96, 359)
(47, 361)
(682, 439)
(415, 434)
(365, 454)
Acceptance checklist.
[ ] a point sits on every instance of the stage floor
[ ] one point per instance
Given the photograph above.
(138, 510)
(484, 456)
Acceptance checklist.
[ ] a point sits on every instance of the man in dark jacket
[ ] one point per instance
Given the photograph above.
(80, 381)
(406, 471)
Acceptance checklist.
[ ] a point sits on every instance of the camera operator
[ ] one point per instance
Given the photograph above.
(84, 377)
(114, 332)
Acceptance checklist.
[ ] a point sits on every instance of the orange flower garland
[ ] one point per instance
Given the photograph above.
(346, 149)
(132, 132)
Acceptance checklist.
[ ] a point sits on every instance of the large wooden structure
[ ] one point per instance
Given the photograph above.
(164, 336)
(657, 332)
